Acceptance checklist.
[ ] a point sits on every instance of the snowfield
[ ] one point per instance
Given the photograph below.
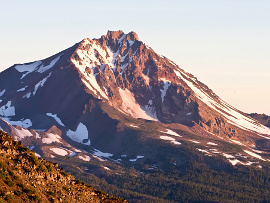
(130, 106)
(79, 135)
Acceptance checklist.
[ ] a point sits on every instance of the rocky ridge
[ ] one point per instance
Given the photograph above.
(27, 178)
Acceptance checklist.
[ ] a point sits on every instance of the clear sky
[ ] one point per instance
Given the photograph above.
(224, 43)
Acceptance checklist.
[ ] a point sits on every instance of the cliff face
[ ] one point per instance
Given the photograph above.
(25, 177)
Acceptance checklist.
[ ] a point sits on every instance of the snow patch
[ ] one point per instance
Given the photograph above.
(234, 161)
(106, 168)
(41, 83)
(25, 123)
(38, 136)
(72, 154)
(170, 139)
(138, 157)
(31, 147)
(80, 135)
(98, 158)
(194, 141)
(167, 138)
(51, 138)
(211, 143)
(21, 134)
(176, 143)
(258, 151)
(254, 155)
(27, 95)
(130, 106)
(134, 126)
(203, 151)
(146, 77)
(7, 110)
(166, 85)
(170, 132)
(94, 56)
(102, 154)
(59, 151)
(237, 142)
(37, 155)
(214, 151)
(22, 89)
(45, 68)
(28, 68)
(228, 156)
(2, 92)
(56, 118)
(84, 158)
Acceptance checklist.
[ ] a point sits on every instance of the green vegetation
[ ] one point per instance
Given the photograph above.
(9, 183)
(193, 182)
(22, 178)
(9, 197)
(42, 168)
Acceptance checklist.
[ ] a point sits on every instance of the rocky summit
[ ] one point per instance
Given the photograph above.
(113, 107)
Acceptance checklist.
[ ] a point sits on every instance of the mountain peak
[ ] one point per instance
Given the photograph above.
(132, 36)
(114, 34)
(118, 34)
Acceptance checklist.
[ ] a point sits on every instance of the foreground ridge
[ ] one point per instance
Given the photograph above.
(23, 176)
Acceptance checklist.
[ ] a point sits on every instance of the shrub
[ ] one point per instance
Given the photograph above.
(16, 177)
(29, 191)
(9, 183)
(64, 173)
(2, 193)
(11, 173)
(79, 182)
(35, 160)
(18, 192)
(49, 167)
(42, 168)
(9, 197)
(52, 193)
(35, 198)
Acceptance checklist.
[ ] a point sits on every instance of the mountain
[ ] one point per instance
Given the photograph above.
(262, 118)
(132, 121)
(23, 177)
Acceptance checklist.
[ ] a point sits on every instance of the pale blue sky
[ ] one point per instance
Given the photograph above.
(224, 43)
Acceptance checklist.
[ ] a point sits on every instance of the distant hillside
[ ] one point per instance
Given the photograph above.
(27, 178)
(262, 118)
